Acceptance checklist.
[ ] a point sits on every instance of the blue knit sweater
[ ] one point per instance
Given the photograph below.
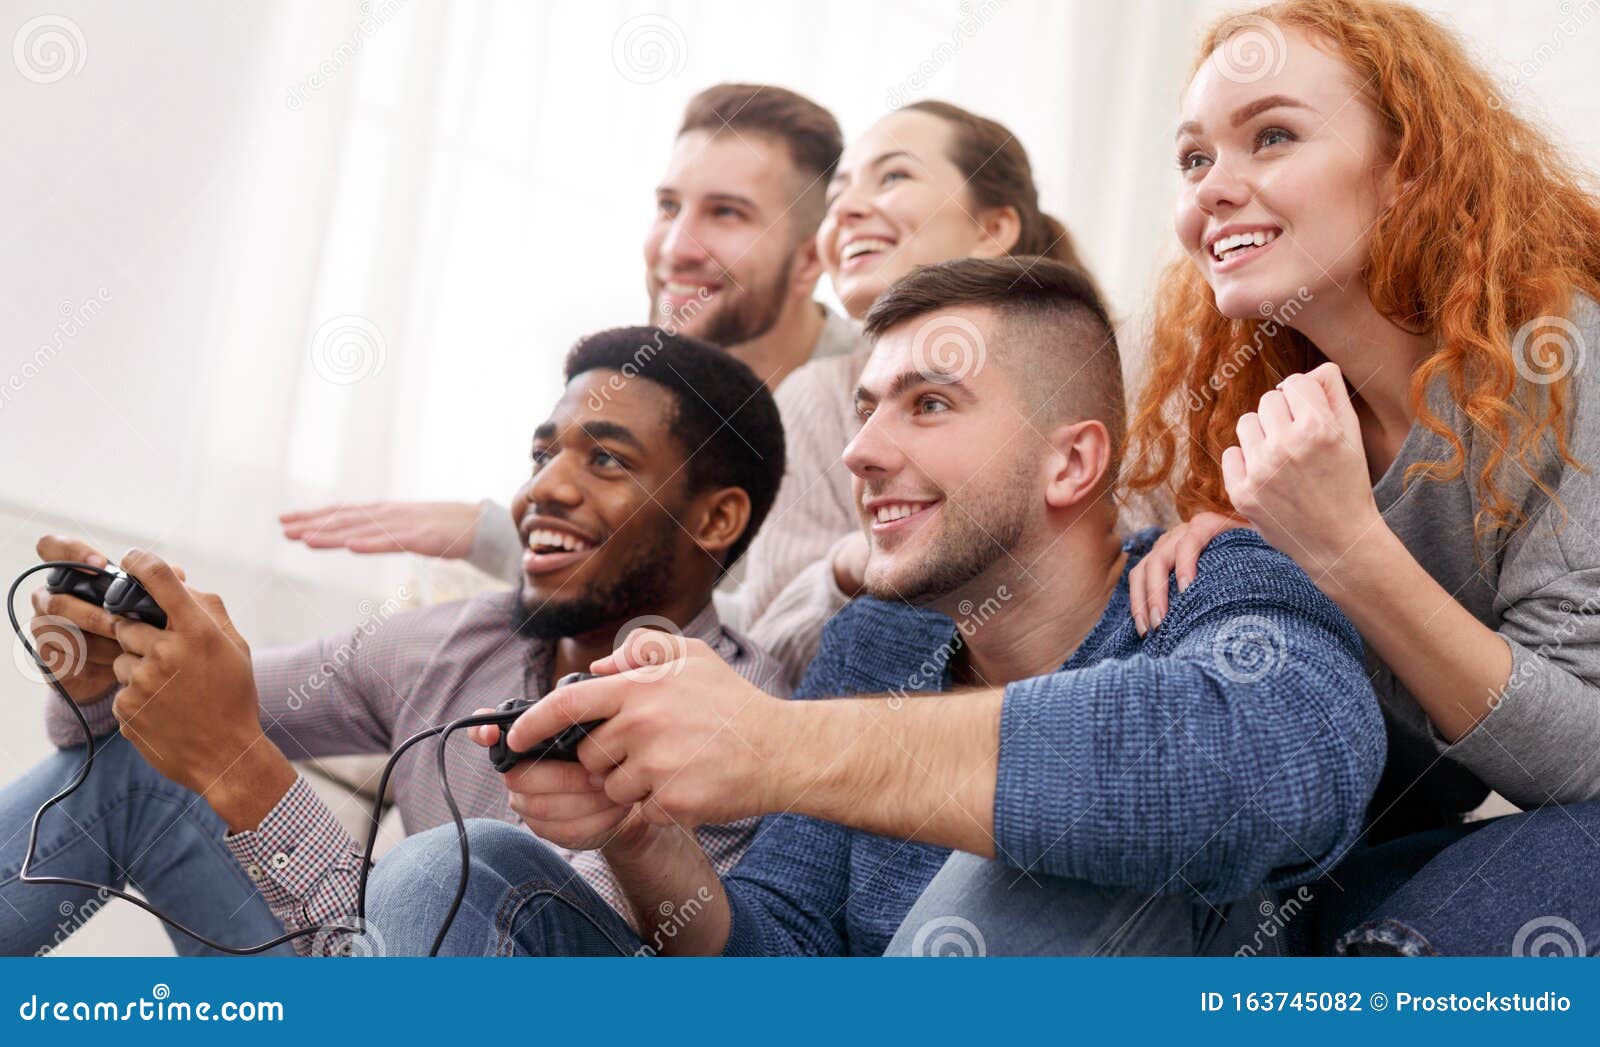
(1235, 747)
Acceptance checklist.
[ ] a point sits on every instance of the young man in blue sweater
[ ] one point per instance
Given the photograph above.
(1104, 792)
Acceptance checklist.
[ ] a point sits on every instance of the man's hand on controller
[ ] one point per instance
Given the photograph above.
(565, 804)
(77, 639)
(687, 738)
(83, 661)
(189, 702)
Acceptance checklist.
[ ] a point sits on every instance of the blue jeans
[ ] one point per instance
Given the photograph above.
(1521, 885)
(522, 899)
(127, 825)
(976, 906)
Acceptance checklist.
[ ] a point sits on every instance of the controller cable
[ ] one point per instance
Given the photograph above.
(443, 730)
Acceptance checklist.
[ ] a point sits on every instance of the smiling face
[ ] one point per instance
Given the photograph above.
(947, 475)
(1283, 179)
(722, 249)
(598, 517)
(897, 202)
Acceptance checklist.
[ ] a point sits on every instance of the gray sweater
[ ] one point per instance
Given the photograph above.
(1538, 587)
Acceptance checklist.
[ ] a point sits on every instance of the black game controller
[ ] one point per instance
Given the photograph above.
(563, 746)
(117, 591)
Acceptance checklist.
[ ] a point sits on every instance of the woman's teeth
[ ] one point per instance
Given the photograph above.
(1238, 243)
(545, 541)
(897, 511)
(865, 245)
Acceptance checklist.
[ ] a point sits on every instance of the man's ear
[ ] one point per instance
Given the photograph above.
(1002, 228)
(1079, 457)
(721, 517)
(807, 268)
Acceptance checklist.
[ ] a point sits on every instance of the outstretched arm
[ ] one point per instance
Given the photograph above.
(481, 533)
(1127, 772)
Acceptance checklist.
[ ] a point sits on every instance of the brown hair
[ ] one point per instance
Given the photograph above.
(999, 174)
(809, 131)
(1058, 336)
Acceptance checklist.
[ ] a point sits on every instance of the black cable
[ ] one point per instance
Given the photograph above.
(461, 834)
(377, 805)
(450, 801)
(377, 815)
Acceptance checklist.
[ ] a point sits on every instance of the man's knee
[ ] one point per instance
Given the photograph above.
(414, 884)
(119, 772)
(434, 855)
(979, 906)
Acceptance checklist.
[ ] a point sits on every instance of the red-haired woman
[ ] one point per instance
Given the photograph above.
(1374, 353)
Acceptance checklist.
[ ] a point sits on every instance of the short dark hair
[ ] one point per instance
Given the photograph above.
(809, 131)
(1059, 340)
(724, 418)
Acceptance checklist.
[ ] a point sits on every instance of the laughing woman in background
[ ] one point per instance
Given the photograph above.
(1374, 353)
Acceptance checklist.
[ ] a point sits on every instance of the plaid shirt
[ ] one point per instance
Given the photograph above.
(369, 691)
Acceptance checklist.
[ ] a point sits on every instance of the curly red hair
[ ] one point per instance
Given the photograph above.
(1493, 229)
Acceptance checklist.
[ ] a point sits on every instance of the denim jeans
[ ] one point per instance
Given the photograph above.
(1521, 885)
(522, 899)
(125, 826)
(976, 906)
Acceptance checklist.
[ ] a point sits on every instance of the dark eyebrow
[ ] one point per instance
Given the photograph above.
(601, 430)
(732, 198)
(906, 381)
(1248, 112)
(596, 430)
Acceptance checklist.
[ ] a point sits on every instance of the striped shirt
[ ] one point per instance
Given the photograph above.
(367, 692)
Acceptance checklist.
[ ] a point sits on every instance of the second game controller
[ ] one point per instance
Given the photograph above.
(563, 746)
(118, 592)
